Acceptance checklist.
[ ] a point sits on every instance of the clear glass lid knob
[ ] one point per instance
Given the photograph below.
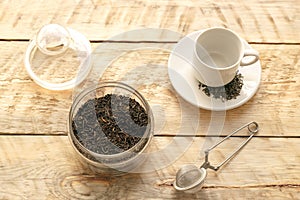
(53, 39)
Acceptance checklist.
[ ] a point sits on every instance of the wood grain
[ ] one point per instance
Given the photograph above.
(52, 172)
(27, 108)
(256, 21)
(36, 158)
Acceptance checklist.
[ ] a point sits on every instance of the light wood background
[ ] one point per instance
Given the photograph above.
(36, 158)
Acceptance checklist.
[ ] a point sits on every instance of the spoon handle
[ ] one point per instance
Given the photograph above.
(252, 128)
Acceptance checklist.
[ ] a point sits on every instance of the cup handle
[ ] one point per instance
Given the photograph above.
(249, 52)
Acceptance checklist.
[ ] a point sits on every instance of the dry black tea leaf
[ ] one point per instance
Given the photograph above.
(227, 92)
(110, 124)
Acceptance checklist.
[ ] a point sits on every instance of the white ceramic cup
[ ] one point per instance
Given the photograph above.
(218, 53)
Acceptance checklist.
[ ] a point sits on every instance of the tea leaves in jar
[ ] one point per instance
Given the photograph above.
(110, 124)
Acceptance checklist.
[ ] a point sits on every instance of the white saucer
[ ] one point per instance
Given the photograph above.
(181, 75)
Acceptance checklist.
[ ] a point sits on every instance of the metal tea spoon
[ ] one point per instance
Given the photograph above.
(190, 178)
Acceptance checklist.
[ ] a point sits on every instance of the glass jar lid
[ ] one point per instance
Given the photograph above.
(58, 58)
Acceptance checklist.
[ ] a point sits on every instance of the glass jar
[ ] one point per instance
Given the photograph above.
(125, 160)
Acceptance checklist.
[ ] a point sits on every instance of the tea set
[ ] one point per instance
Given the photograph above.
(211, 56)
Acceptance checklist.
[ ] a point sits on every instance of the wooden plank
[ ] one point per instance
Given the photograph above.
(27, 108)
(257, 21)
(44, 167)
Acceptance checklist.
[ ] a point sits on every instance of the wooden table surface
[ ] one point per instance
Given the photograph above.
(36, 158)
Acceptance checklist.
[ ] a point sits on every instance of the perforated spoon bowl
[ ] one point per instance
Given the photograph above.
(190, 178)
